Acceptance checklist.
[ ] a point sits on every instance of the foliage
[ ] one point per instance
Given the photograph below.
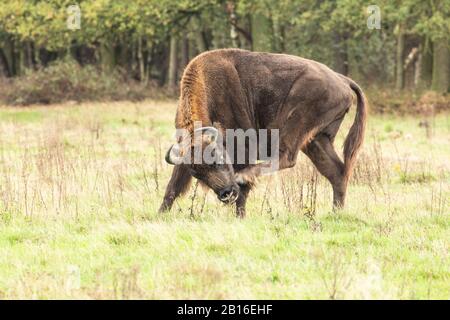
(135, 34)
(66, 80)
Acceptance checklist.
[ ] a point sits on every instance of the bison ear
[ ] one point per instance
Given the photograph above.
(209, 134)
(174, 155)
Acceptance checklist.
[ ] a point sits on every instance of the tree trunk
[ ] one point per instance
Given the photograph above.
(123, 55)
(417, 67)
(173, 63)
(149, 62)
(107, 57)
(278, 36)
(199, 38)
(218, 39)
(340, 54)
(441, 66)
(18, 59)
(133, 61)
(8, 54)
(141, 63)
(426, 64)
(37, 56)
(231, 9)
(4, 72)
(29, 55)
(185, 52)
(261, 33)
(193, 50)
(399, 74)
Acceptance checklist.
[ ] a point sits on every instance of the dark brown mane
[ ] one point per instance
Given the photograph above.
(193, 104)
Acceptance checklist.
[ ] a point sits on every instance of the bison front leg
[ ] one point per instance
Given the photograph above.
(242, 200)
(178, 184)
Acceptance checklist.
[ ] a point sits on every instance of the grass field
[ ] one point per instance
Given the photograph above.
(80, 187)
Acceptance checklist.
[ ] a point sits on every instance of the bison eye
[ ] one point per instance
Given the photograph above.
(217, 164)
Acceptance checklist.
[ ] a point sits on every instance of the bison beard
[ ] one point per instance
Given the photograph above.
(304, 99)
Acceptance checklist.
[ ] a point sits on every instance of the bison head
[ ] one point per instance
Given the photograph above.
(205, 154)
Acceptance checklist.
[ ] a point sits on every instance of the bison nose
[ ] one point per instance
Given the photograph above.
(229, 194)
(225, 193)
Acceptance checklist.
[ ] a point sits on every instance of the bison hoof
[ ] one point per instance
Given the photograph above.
(164, 207)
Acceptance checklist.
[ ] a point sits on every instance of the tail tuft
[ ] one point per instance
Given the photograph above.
(355, 137)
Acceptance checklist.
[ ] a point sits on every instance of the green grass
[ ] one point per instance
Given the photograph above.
(25, 116)
(80, 186)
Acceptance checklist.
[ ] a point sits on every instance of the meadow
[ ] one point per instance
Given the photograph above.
(80, 186)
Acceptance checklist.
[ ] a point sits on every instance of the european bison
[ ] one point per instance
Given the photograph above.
(239, 89)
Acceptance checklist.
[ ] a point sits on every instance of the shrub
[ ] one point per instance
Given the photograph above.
(382, 100)
(66, 80)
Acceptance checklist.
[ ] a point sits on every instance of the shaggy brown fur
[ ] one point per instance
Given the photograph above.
(302, 98)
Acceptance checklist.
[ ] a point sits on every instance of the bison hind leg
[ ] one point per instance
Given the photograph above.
(324, 157)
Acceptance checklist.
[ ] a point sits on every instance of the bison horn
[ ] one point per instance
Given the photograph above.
(174, 155)
(209, 133)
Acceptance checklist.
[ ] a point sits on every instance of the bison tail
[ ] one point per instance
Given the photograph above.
(355, 137)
